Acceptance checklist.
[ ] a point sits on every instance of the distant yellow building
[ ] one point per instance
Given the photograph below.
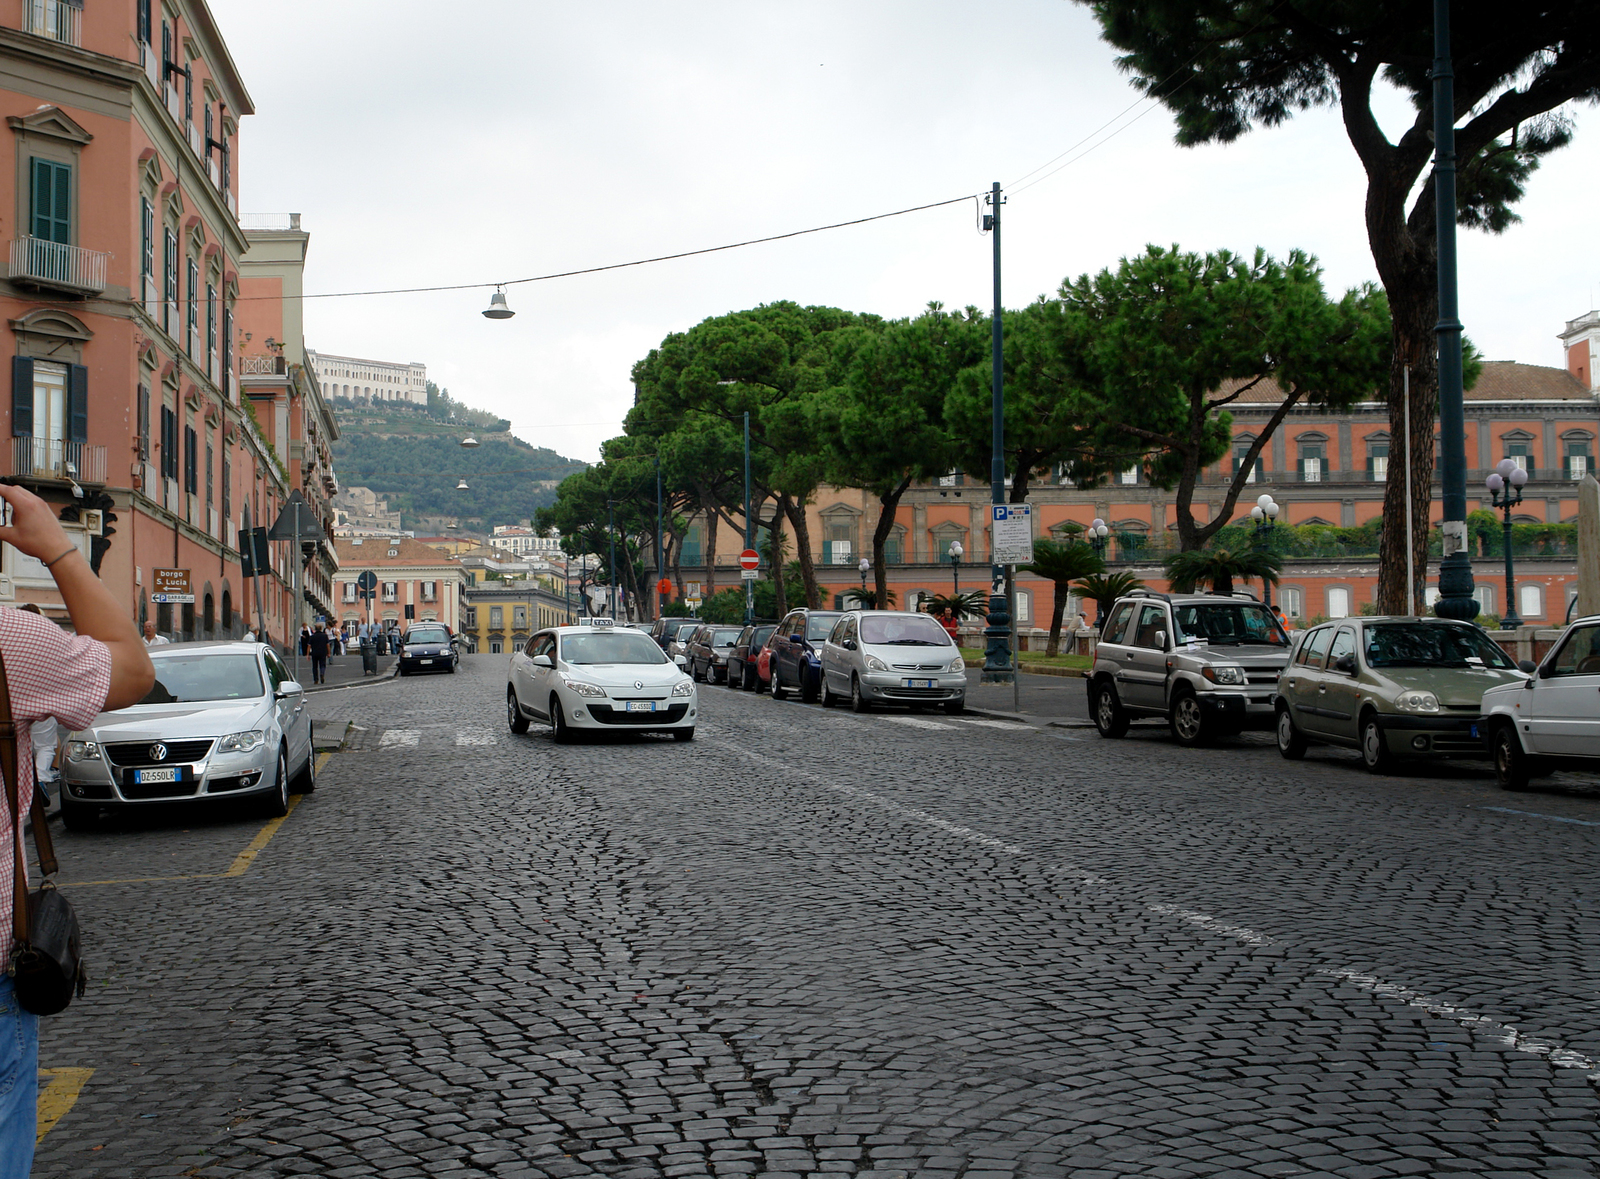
(500, 616)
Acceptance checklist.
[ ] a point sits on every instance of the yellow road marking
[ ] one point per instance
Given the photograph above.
(241, 863)
(59, 1095)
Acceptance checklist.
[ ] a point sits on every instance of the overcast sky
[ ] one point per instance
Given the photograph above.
(430, 143)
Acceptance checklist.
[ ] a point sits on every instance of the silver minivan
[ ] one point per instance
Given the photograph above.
(892, 657)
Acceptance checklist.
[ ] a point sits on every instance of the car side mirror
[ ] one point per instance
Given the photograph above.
(681, 660)
(1544, 672)
(1346, 664)
(1527, 665)
(543, 661)
(1161, 640)
(288, 688)
(849, 644)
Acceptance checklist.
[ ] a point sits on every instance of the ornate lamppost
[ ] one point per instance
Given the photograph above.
(1096, 534)
(1505, 492)
(866, 567)
(1265, 514)
(955, 565)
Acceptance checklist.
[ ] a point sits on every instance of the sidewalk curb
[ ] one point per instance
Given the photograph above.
(363, 682)
(1023, 665)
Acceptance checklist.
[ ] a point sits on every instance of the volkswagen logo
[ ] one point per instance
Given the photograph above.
(158, 752)
(638, 685)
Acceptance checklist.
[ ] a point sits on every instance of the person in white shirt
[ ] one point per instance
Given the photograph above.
(151, 639)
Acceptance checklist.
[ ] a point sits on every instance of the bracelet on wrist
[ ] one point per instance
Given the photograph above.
(60, 556)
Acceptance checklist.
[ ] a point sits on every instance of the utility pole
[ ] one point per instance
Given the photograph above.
(1455, 569)
(611, 539)
(749, 586)
(997, 657)
(661, 563)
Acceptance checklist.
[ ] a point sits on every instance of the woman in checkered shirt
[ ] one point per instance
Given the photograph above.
(73, 678)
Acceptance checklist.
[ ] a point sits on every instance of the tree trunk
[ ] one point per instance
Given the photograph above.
(1222, 584)
(710, 586)
(1414, 306)
(888, 504)
(775, 533)
(1057, 608)
(796, 511)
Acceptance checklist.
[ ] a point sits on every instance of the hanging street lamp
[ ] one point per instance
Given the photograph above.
(497, 308)
(1505, 484)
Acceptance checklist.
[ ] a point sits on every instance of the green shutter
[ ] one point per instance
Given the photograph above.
(52, 201)
(77, 404)
(21, 396)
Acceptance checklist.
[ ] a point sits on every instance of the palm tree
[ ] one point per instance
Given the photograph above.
(1061, 564)
(971, 605)
(1105, 589)
(1220, 566)
(867, 599)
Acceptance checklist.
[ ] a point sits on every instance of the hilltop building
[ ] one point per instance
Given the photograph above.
(361, 507)
(525, 542)
(368, 381)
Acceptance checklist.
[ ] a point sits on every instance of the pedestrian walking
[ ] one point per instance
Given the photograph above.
(317, 643)
(49, 673)
(305, 639)
(151, 639)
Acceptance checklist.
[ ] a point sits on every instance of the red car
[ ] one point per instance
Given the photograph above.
(764, 669)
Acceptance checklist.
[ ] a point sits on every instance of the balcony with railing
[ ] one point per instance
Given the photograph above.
(55, 460)
(58, 266)
(263, 366)
(56, 20)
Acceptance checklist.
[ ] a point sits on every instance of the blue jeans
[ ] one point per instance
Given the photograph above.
(19, 1084)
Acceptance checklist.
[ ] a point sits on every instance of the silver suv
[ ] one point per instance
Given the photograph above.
(1207, 664)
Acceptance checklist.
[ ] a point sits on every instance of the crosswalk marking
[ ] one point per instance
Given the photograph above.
(397, 738)
(916, 722)
(477, 735)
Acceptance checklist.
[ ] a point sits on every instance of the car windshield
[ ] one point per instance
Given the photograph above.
(818, 626)
(611, 647)
(902, 630)
(187, 679)
(723, 638)
(763, 633)
(1228, 624)
(1422, 644)
(427, 634)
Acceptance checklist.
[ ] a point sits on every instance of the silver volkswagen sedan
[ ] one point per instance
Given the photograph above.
(224, 721)
(892, 657)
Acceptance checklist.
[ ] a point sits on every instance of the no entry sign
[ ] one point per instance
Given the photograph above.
(750, 559)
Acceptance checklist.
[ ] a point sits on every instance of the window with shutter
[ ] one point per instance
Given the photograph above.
(191, 460)
(77, 403)
(21, 396)
(211, 462)
(211, 321)
(52, 201)
(147, 245)
(194, 303)
(144, 423)
(169, 286)
(144, 21)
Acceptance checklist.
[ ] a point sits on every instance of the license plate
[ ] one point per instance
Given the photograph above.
(641, 705)
(424, 661)
(919, 683)
(170, 774)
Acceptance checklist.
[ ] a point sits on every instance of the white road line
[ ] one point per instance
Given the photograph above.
(477, 736)
(400, 738)
(1503, 1032)
(1014, 726)
(916, 722)
(1208, 922)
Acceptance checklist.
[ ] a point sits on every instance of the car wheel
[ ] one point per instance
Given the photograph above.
(403, 670)
(514, 718)
(955, 707)
(779, 692)
(858, 702)
(305, 782)
(694, 672)
(451, 669)
(683, 734)
(825, 696)
(1109, 718)
(276, 804)
(1375, 753)
(1292, 743)
(1512, 767)
(1188, 719)
(77, 816)
(560, 731)
(749, 680)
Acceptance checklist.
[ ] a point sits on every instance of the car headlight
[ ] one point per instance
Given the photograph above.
(876, 664)
(241, 742)
(1417, 702)
(958, 665)
(683, 688)
(583, 689)
(83, 751)
(1224, 673)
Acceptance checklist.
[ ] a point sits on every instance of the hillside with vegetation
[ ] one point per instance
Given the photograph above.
(413, 457)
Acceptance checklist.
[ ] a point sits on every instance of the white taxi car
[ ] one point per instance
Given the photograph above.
(599, 677)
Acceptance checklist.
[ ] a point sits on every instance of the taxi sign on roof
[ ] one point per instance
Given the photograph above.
(597, 622)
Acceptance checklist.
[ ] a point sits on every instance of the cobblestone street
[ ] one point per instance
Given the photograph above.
(811, 941)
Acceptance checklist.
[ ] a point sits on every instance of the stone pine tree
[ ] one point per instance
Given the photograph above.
(1224, 66)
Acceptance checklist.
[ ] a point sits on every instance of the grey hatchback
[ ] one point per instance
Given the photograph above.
(892, 657)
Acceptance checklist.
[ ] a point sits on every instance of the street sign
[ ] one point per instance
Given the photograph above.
(749, 575)
(750, 560)
(367, 584)
(692, 590)
(693, 603)
(664, 586)
(171, 586)
(283, 528)
(1012, 525)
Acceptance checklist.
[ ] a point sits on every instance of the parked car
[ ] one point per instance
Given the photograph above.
(1205, 663)
(598, 676)
(746, 650)
(224, 722)
(1551, 719)
(678, 644)
(426, 646)
(1391, 688)
(892, 657)
(764, 664)
(797, 652)
(709, 650)
(664, 630)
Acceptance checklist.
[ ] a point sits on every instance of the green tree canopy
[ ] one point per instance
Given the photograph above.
(1061, 564)
(1219, 567)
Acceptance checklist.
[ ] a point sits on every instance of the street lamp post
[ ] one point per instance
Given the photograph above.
(1097, 533)
(866, 567)
(1505, 492)
(955, 566)
(1265, 514)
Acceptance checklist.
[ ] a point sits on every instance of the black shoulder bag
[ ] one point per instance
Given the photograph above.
(46, 963)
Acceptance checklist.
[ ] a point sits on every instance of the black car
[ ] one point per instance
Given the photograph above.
(742, 659)
(664, 630)
(708, 652)
(427, 647)
(797, 652)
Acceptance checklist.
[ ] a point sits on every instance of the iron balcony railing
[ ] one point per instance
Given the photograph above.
(263, 366)
(59, 20)
(53, 458)
(57, 265)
